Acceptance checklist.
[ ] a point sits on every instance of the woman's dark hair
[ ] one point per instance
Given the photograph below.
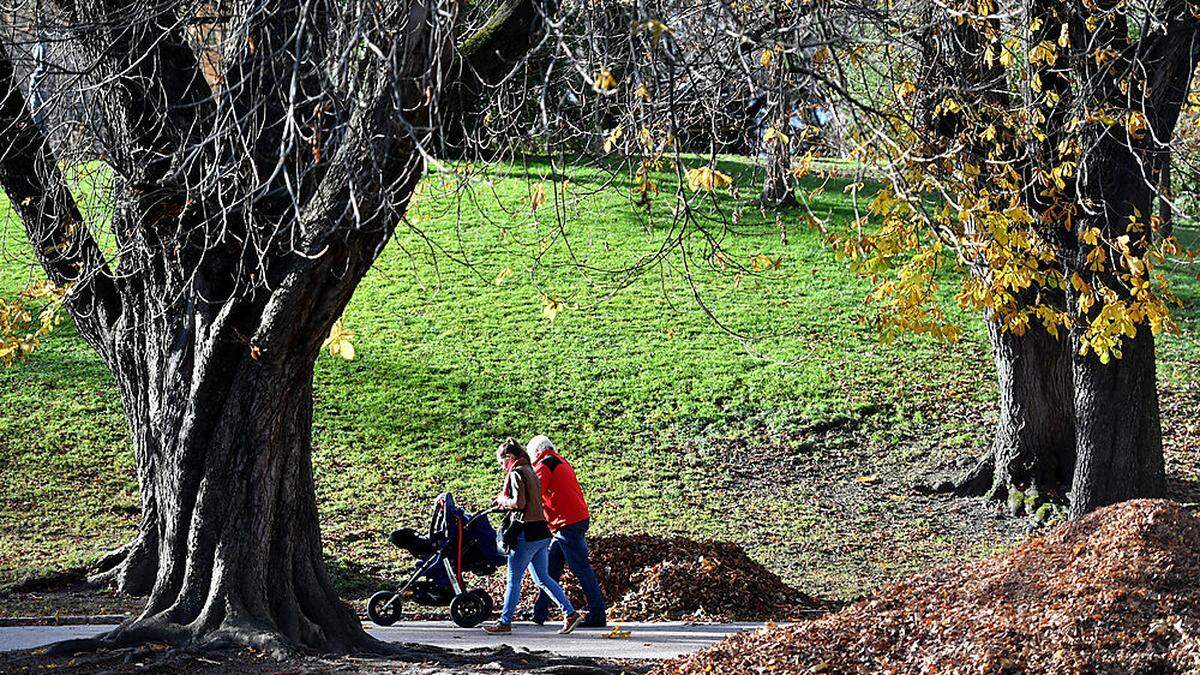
(511, 448)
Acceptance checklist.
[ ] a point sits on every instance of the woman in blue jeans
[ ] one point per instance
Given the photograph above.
(521, 493)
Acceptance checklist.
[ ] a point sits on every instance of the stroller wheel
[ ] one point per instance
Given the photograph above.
(487, 601)
(384, 608)
(469, 609)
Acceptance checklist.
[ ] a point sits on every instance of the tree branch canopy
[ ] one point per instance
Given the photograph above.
(37, 190)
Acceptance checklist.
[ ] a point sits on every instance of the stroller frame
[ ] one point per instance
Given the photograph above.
(468, 607)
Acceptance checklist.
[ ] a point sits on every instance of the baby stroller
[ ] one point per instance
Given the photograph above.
(457, 542)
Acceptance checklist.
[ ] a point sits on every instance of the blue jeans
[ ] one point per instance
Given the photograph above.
(532, 556)
(570, 545)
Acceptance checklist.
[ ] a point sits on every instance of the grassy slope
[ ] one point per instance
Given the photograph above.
(672, 422)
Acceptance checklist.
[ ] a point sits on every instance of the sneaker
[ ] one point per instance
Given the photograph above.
(540, 621)
(498, 628)
(571, 623)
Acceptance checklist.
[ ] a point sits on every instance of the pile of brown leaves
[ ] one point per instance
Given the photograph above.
(647, 578)
(1115, 591)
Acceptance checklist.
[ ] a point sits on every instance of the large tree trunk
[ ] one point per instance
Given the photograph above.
(1119, 433)
(1034, 445)
(238, 248)
(240, 554)
(1120, 454)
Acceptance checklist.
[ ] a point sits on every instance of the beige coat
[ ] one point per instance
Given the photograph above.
(522, 492)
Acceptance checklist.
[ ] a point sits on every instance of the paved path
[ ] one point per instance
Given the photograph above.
(645, 641)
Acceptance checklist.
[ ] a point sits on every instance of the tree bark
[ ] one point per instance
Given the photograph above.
(133, 568)
(1120, 454)
(240, 551)
(212, 341)
(1034, 445)
(778, 188)
(778, 184)
(1118, 429)
(504, 32)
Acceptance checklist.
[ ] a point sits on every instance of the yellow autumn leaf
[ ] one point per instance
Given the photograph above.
(338, 343)
(905, 89)
(763, 261)
(1043, 53)
(1136, 123)
(655, 28)
(504, 274)
(613, 137)
(604, 80)
(707, 179)
(617, 634)
(551, 307)
(1008, 54)
(538, 198)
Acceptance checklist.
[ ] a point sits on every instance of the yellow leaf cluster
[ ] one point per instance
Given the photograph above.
(338, 343)
(707, 179)
(610, 141)
(604, 80)
(23, 325)
(773, 135)
(989, 195)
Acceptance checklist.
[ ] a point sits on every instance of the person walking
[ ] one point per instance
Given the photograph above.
(568, 518)
(529, 543)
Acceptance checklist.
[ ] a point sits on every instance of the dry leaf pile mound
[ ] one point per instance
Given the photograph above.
(1117, 591)
(646, 578)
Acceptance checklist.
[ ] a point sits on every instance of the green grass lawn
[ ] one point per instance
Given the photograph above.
(782, 424)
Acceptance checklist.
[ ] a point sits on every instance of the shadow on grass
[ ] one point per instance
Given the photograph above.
(354, 581)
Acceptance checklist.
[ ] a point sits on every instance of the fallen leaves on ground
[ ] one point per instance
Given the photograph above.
(647, 578)
(1115, 591)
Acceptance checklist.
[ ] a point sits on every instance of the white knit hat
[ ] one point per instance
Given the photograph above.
(537, 446)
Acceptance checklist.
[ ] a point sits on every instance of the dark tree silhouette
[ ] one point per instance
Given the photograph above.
(260, 155)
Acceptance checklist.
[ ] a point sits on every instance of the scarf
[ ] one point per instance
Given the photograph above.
(509, 464)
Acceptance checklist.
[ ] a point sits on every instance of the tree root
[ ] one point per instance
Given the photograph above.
(130, 569)
(145, 640)
(1041, 499)
(151, 657)
(978, 480)
(139, 632)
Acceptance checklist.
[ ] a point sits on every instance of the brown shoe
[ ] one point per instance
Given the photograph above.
(571, 623)
(498, 628)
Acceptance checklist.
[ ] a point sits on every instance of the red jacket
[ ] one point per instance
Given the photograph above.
(562, 498)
